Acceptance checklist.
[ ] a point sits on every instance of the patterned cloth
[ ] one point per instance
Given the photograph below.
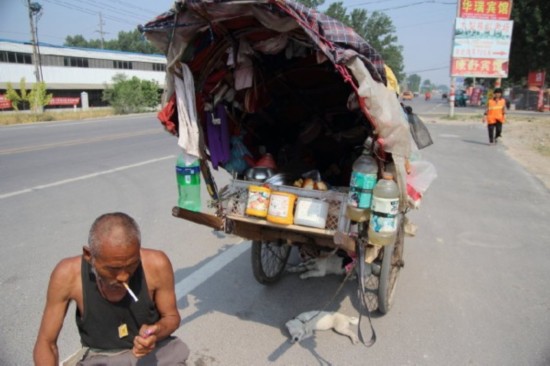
(338, 42)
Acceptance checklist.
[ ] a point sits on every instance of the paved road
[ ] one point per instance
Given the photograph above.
(474, 290)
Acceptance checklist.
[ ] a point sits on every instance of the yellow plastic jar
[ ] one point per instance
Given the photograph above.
(258, 201)
(281, 208)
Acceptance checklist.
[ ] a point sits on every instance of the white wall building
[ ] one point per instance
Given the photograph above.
(69, 71)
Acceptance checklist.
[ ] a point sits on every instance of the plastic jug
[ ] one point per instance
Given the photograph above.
(384, 211)
(363, 180)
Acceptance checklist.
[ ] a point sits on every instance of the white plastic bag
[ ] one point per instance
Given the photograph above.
(422, 175)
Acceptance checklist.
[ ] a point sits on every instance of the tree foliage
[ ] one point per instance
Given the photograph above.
(37, 97)
(131, 95)
(413, 81)
(377, 29)
(530, 49)
(126, 41)
(14, 97)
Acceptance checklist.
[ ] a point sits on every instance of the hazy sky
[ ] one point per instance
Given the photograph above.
(424, 27)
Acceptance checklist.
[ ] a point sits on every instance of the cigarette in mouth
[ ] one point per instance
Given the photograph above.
(130, 292)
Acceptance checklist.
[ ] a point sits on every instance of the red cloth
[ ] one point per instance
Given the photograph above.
(168, 116)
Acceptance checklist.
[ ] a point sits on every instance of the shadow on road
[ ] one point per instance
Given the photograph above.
(476, 142)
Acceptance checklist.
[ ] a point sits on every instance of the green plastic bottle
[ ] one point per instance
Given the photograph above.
(189, 184)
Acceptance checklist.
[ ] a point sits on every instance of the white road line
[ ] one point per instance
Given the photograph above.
(196, 278)
(83, 177)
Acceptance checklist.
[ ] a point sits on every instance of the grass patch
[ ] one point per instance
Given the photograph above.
(13, 118)
(543, 150)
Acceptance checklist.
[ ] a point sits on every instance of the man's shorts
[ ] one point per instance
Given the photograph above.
(168, 352)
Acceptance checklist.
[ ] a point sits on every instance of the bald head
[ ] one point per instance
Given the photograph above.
(121, 229)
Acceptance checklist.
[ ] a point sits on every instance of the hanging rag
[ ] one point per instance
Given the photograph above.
(189, 131)
(218, 135)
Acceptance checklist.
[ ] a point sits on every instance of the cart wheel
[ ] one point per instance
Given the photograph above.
(392, 262)
(269, 260)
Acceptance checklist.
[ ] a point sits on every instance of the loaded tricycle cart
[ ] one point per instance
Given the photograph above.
(285, 99)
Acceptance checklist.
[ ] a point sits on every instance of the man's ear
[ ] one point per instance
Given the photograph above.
(87, 253)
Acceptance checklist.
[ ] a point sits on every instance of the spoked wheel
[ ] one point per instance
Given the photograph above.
(392, 262)
(269, 260)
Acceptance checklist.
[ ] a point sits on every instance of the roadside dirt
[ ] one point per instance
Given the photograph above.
(527, 140)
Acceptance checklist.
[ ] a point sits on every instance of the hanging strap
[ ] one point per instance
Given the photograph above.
(360, 248)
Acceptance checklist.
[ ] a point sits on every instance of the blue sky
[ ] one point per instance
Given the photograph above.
(423, 27)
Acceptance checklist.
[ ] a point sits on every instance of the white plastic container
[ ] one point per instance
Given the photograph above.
(384, 213)
(311, 212)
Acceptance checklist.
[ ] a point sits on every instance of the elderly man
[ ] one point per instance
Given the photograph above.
(125, 301)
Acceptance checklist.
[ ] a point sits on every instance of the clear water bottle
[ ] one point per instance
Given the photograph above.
(189, 183)
(363, 180)
(384, 211)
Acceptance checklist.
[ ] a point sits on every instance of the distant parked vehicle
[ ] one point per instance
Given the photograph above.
(461, 98)
(407, 95)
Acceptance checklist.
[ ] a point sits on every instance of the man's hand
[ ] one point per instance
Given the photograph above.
(145, 341)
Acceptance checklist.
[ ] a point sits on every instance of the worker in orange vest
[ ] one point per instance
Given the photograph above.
(495, 116)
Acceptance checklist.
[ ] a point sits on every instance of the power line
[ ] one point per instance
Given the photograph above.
(406, 5)
(107, 7)
(67, 5)
(426, 70)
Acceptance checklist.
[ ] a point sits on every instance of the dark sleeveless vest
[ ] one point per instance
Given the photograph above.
(99, 325)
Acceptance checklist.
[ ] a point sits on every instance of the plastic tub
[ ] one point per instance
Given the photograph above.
(311, 212)
(258, 201)
(281, 208)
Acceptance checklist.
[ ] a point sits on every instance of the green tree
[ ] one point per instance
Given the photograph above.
(413, 81)
(76, 41)
(377, 29)
(127, 41)
(338, 12)
(14, 97)
(530, 49)
(131, 95)
(313, 4)
(37, 98)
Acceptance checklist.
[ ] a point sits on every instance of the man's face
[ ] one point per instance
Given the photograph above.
(114, 265)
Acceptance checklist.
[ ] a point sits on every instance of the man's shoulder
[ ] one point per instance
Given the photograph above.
(70, 265)
(154, 257)
(66, 276)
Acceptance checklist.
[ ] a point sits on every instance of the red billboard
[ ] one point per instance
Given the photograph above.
(485, 9)
(64, 101)
(536, 78)
(4, 103)
(479, 67)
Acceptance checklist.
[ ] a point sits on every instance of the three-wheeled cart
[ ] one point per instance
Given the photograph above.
(248, 77)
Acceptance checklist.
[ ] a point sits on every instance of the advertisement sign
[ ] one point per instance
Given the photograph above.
(64, 101)
(480, 38)
(479, 67)
(475, 97)
(4, 103)
(485, 9)
(536, 78)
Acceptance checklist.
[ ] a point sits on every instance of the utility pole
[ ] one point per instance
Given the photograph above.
(34, 8)
(100, 31)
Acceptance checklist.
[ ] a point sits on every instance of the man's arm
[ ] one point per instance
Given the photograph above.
(165, 297)
(161, 277)
(57, 301)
